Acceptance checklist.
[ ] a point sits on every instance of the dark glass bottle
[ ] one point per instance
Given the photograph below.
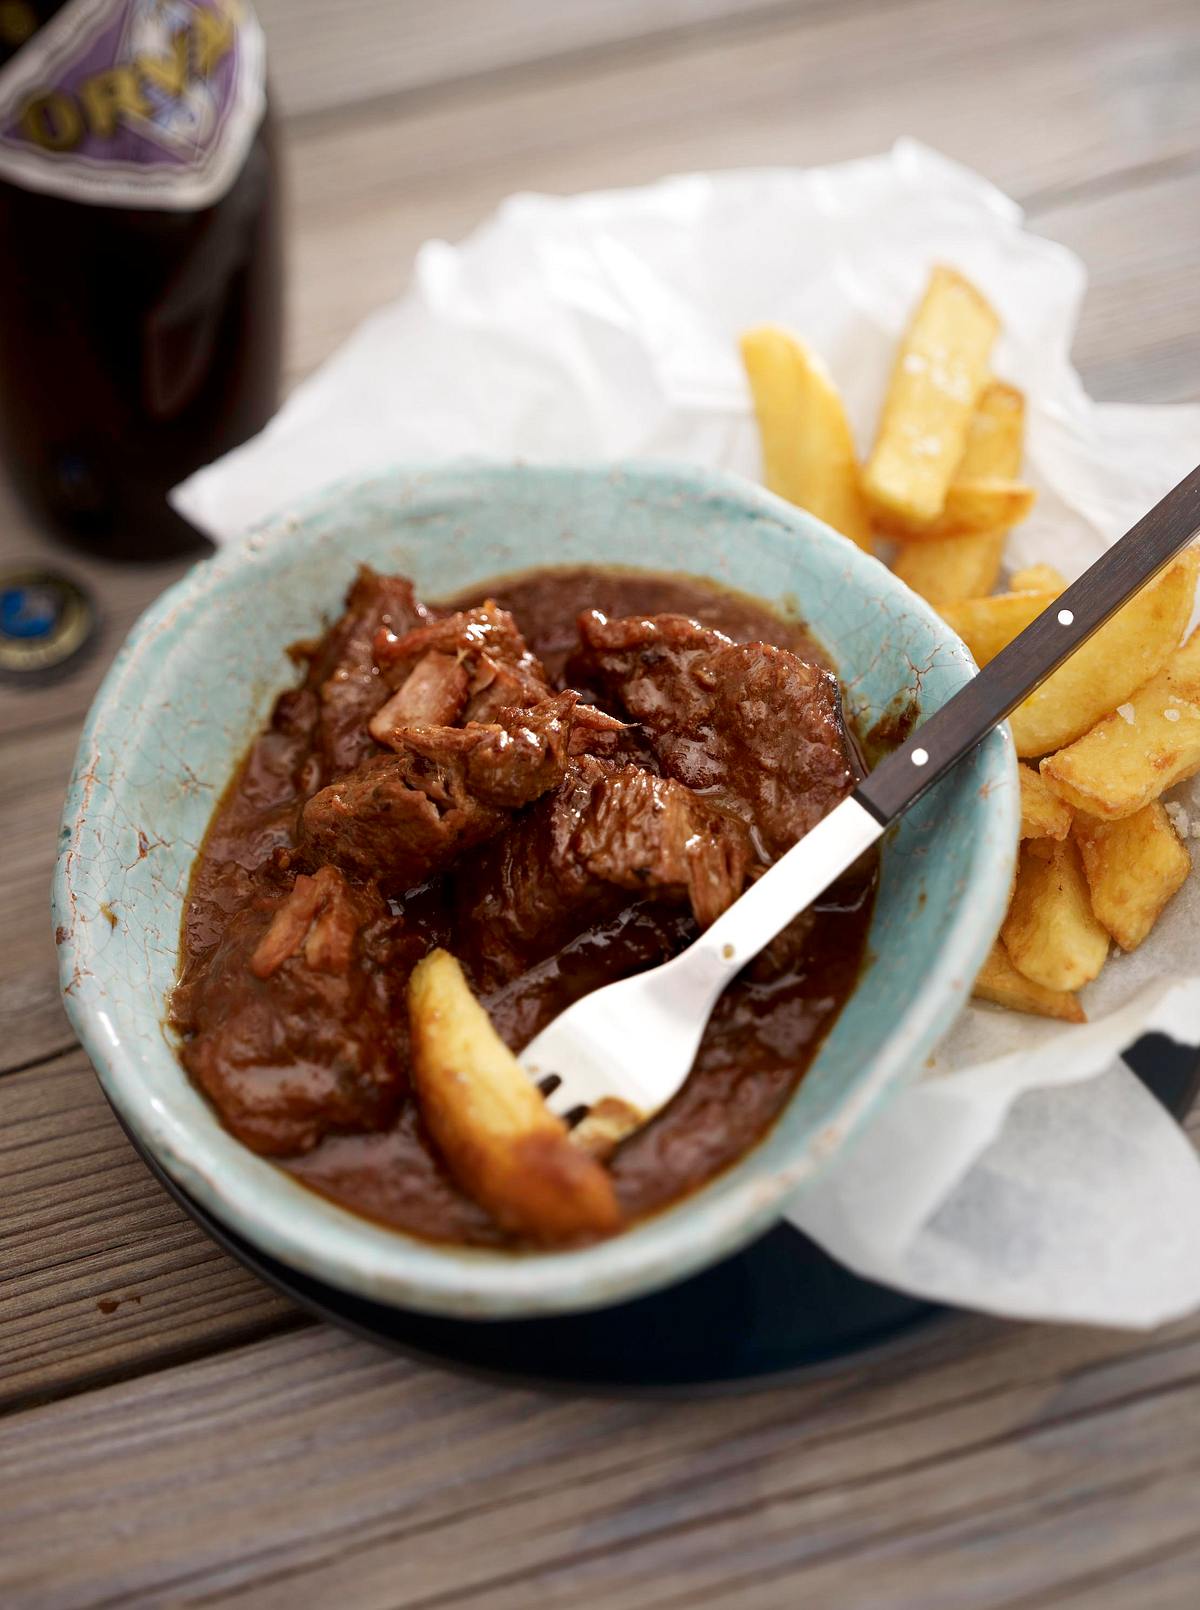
(138, 340)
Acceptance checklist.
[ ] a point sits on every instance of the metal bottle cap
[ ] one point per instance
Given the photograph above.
(46, 620)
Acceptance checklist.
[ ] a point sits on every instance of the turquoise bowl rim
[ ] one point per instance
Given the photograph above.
(285, 1220)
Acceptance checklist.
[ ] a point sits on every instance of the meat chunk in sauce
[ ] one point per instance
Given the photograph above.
(305, 1044)
(402, 818)
(434, 693)
(466, 666)
(342, 671)
(608, 833)
(749, 724)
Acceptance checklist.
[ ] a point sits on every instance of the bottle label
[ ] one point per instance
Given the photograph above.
(134, 103)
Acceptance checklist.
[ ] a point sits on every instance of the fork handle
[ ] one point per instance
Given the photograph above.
(967, 718)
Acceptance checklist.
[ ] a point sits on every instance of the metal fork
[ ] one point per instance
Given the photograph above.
(634, 1041)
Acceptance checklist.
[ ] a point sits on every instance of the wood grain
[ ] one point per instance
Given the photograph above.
(100, 1273)
(1139, 337)
(1159, 1577)
(365, 1480)
(34, 769)
(325, 58)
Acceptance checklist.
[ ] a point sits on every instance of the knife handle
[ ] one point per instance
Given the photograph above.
(967, 718)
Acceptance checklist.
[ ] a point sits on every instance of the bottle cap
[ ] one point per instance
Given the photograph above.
(46, 620)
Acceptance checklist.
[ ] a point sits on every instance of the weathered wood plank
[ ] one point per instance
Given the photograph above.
(100, 1272)
(315, 1466)
(1139, 336)
(34, 769)
(1164, 1577)
(1083, 1501)
(322, 59)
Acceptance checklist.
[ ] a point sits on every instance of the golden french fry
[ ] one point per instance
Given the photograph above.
(499, 1139)
(945, 569)
(1133, 647)
(971, 508)
(939, 372)
(807, 447)
(986, 625)
(1044, 815)
(951, 568)
(1051, 933)
(1041, 849)
(1001, 983)
(996, 434)
(1037, 579)
(1133, 868)
(1146, 746)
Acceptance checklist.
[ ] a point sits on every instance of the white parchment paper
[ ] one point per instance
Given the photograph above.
(1025, 1171)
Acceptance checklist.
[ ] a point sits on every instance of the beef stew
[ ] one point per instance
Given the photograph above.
(559, 782)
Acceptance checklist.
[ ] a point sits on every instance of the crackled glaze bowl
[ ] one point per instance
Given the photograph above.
(197, 678)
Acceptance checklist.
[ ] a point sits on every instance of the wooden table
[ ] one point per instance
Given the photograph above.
(174, 1433)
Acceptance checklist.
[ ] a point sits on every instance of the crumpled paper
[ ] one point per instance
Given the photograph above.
(1026, 1171)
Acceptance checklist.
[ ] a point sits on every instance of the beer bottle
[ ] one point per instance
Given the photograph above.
(140, 256)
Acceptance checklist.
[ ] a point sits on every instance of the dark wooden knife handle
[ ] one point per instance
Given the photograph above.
(967, 718)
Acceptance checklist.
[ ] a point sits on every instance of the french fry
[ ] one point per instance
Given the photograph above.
(499, 1139)
(971, 508)
(1133, 647)
(1001, 983)
(1051, 933)
(807, 447)
(1044, 814)
(986, 625)
(1037, 579)
(1133, 868)
(939, 372)
(1144, 747)
(951, 568)
(1042, 849)
(946, 569)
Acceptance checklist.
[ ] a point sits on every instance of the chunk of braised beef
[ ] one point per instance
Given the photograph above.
(292, 1020)
(342, 670)
(646, 833)
(404, 817)
(434, 693)
(751, 725)
(498, 686)
(607, 737)
(507, 762)
(320, 914)
(609, 834)
(488, 646)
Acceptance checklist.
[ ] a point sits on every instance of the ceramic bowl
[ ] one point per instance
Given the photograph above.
(197, 678)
